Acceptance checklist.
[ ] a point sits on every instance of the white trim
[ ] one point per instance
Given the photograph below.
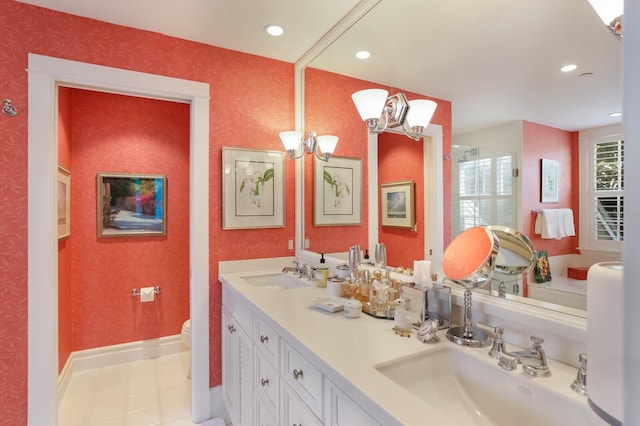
(586, 142)
(107, 356)
(45, 75)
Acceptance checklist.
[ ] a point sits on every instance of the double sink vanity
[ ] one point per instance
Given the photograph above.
(285, 362)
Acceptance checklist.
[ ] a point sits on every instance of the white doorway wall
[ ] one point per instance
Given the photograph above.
(45, 75)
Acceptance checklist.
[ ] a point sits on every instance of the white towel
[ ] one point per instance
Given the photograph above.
(555, 223)
(547, 224)
(565, 221)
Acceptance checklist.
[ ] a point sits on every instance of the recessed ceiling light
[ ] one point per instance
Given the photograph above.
(615, 114)
(274, 30)
(363, 54)
(568, 68)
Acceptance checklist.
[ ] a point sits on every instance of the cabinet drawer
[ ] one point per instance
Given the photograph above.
(294, 411)
(267, 380)
(238, 308)
(305, 379)
(266, 339)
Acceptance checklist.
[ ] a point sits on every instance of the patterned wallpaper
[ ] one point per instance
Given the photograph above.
(400, 159)
(251, 101)
(122, 134)
(541, 141)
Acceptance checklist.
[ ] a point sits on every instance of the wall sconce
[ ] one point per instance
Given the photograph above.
(322, 146)
(381, 111)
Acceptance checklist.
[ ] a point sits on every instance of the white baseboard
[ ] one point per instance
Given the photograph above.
(117, 354)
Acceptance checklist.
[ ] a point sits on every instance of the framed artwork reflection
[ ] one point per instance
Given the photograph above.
(252, 188)
(131, 205)
(549, 181)
(398, 204)
(63, 201)
(337, 191)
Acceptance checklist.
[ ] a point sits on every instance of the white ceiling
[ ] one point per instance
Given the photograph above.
(495, 60)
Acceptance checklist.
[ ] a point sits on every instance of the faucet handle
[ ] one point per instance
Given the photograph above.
(498, 343)
(580, 383)
(537, 341)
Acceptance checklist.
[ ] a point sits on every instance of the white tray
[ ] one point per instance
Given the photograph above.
(330, 304)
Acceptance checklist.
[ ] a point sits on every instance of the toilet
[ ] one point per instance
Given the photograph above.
(185, 335)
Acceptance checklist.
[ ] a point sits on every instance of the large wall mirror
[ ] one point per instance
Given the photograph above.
(496, 64)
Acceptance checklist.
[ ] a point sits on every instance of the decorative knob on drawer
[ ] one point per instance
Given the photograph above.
(264, 382)
(264, 339)
(231, 328)
(297, 374)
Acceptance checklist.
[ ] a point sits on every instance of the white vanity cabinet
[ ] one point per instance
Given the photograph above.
(269, 380)
(237, 377)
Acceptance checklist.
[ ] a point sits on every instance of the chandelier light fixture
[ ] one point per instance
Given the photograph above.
(321, 146)
(381, 111)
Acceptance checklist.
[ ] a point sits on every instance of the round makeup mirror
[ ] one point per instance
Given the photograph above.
(470, 261)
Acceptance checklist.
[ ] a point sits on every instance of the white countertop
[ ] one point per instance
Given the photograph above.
(350, 349)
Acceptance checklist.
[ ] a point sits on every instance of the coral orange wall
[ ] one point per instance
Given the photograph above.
(539, 142)
(64, 245)
(123, 134)
(251, 101)
(330, 110)
(399, 159)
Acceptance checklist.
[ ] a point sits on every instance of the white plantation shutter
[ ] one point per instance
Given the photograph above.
(608, 191)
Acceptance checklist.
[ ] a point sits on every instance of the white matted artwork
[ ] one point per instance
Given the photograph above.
(63, 197)
(549, 181)
(337, 191)
(397, 204)
(252, 188)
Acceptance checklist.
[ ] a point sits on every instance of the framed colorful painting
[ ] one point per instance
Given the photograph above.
(131, 205)
(397, 204)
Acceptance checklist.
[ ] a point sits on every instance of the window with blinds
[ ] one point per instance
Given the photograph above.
(486, 195)
(608, 184)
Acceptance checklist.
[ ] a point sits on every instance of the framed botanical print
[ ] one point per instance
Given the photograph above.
(337, 191)
(253, 190)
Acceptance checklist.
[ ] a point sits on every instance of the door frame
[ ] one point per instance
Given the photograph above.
(46, 74)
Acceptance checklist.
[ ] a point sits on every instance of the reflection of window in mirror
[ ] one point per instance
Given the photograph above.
(483, 188)
(605, 192)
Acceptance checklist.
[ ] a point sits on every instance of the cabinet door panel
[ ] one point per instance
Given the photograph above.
(294, 411)
(342, 410)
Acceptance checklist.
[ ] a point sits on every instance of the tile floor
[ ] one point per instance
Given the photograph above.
(141, 393)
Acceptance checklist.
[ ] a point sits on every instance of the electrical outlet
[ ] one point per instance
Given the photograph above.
(290, 244)
(306, 243)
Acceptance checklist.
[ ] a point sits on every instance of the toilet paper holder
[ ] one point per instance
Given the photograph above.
(136, 292)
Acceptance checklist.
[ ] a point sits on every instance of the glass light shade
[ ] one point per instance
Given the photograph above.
(420, 112)
(327, 143)
(291, 139)
(370, 102)
(608, 9)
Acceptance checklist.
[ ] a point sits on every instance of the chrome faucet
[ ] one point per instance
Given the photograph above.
(533, 360)
(295, 270)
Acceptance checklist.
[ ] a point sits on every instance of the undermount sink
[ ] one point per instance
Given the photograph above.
(276, 281)
(473, 392)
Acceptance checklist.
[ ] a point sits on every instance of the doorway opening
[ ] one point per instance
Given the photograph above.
(45, 75)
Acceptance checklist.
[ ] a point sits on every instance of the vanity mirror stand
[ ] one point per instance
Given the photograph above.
(470, 261)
